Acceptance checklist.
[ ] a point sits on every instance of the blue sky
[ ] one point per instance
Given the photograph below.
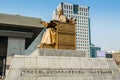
(104, 14)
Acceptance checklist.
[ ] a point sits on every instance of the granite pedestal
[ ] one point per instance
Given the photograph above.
(43, 67)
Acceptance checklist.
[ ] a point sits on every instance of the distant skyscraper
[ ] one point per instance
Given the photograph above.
(81, 13)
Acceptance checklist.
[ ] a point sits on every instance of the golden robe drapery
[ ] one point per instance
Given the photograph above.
(49, 36)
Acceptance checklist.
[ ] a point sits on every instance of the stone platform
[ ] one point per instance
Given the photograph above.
(58, 52)
(39, 67)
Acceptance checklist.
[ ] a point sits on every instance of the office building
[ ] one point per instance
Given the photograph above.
(96, 51)
(81, 13)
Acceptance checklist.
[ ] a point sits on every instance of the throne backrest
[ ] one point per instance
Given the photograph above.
(66, 36)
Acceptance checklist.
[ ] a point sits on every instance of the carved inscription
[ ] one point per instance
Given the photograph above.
(48, 72)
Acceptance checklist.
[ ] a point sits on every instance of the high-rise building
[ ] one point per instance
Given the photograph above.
(81, 13)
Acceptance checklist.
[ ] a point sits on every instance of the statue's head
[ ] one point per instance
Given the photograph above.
(59, 11)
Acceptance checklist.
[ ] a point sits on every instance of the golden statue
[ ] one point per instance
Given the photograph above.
(51, 37)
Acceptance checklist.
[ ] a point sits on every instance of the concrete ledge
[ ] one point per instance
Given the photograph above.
(20, 20)
(16, 34)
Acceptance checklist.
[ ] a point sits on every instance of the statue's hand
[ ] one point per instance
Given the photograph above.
(45, 24)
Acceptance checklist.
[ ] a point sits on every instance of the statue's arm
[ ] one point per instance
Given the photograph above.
(45, 24)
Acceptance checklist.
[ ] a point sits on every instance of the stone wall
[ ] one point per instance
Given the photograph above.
(16, 46)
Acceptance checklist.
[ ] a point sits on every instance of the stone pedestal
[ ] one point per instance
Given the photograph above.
(62, 68)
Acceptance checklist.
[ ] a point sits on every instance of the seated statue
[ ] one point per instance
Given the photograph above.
(49, 37)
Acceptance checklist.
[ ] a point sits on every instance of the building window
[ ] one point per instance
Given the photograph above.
(75, 9)
(65, 6)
